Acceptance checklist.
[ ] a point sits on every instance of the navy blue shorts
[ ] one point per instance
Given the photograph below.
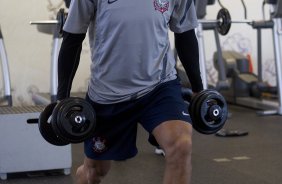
(115, 135)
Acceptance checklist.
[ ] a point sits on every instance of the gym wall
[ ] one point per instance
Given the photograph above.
(29, 51)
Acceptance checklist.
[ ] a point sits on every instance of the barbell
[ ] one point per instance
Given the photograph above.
(223, 21)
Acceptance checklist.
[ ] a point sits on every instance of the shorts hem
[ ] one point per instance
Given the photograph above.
(109, 157)
(186, 120)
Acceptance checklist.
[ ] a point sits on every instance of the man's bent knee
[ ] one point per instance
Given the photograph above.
(179, 151)
(175, 137)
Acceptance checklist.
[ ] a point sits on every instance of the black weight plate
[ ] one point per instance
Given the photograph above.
(54, 121)
(77, 132)
(69, 129)
(224, 21)
(201, 122)
(195, 98)
(193, 109)
(200, 125)
(192, 106)
(46, 129)
(61, 17)
(210, 99)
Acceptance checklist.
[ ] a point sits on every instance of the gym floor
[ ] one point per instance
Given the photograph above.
(251, 159)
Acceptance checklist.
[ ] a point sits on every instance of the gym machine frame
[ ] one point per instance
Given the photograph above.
(269, 107)
(276, 108)
(54, 27)
(6, 74)
(51, 27)
(222, 25)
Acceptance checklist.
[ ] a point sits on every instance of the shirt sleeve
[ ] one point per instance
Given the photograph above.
(183, 17)
(81, 12)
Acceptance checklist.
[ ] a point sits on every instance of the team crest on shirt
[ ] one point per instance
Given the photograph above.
(99, 145)
(161, 5)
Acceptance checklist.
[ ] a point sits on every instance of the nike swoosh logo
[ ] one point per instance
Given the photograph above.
(185, 114)
(111, 1)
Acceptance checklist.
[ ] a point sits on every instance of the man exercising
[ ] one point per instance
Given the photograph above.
(133, 79)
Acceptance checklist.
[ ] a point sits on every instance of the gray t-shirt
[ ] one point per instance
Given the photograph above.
(130, 48)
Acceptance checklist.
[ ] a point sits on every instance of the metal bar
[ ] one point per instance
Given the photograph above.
(259, 52)
(278, 64)
(231, 21)
(221, 64)
(5, 71)
(277, 41)
(54, 68)
(208, 21)
(242, 21)
(44, 22)
(202, 56)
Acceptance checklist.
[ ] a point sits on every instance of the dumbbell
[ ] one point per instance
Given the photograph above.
(71, 120)
(208, 110)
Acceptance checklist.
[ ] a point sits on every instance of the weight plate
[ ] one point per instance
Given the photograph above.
(200, 125)
(46, 129)
(224, 21)
(54, 121)
(193, 110)
(212, 100)
(75, 119)
(201, 106)
(61, 18)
